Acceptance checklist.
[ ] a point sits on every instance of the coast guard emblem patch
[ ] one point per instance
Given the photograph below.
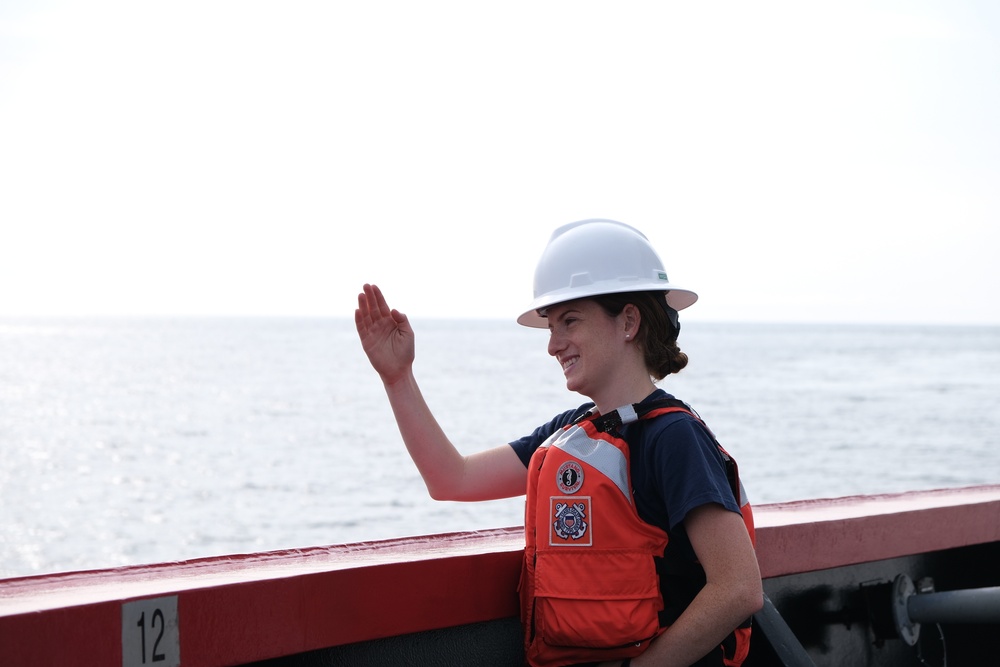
(569, 478)
(571, 525)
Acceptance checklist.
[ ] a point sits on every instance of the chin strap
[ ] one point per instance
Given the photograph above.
(673, 317)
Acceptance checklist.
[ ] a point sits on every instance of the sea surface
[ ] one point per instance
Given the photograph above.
(138, 441)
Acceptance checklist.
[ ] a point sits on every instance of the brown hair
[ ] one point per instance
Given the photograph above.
(657, 335)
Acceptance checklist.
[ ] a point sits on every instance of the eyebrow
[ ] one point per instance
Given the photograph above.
(563, 314)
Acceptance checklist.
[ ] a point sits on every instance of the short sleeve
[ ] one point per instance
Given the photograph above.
(525, 446)
(681, 469)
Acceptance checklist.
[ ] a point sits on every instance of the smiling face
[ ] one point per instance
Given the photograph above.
(597, 353)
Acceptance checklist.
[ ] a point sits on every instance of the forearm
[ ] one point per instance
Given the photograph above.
(732, 592)
(440, 464)
(710, 617)
(387, 339)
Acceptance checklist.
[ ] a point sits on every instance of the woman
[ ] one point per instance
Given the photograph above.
(628, 495)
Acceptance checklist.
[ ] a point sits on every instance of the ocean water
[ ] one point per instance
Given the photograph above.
(139, 441)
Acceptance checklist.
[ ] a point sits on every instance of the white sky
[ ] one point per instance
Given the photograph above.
(790, 161)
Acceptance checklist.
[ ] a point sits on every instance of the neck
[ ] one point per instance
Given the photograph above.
(614, 400)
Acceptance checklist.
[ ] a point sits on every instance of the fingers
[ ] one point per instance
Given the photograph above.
(360, 320)
(380, 304)
(366, 305)
(372, 307)
(399, 318)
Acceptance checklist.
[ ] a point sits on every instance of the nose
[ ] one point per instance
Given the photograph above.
(556, 343)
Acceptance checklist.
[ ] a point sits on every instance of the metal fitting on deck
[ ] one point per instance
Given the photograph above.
(911, 604)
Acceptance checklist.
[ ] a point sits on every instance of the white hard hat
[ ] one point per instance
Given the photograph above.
(594, 257)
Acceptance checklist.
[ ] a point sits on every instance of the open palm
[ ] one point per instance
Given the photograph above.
(386, 335)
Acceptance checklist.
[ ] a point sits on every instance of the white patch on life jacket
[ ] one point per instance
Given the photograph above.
(571, 525)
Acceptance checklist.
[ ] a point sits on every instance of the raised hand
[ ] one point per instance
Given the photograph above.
(386, 335)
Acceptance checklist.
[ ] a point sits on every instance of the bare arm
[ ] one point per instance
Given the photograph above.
(388, 340)
(731, 595)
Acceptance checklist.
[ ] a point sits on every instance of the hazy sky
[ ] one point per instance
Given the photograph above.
(790, 161)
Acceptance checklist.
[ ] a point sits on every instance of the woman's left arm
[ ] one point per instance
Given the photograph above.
(732, 591)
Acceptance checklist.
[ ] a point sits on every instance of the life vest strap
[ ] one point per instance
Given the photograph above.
(627, 414)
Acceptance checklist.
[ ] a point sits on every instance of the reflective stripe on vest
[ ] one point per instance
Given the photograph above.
(599, 454)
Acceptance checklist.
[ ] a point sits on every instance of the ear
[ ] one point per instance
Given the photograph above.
(631, 319)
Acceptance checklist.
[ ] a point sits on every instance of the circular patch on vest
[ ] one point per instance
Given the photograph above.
(570, 477)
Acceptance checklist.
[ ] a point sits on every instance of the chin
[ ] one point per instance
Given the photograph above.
(576, 387)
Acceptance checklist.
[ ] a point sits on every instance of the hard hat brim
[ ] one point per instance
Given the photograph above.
(677, 298)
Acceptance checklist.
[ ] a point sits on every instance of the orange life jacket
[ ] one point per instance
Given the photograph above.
(590, 588)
